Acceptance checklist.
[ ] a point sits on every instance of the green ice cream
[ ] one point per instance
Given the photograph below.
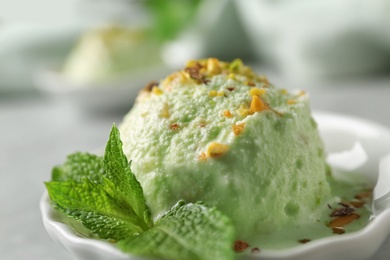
(219, 133)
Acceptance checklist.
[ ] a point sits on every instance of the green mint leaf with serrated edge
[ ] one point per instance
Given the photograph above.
(187, 231)
(104, 195)
(114, 195)
(91, 204)
(127, 187)
(79, 166)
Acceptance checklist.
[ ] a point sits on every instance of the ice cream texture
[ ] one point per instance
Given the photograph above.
(217, 132)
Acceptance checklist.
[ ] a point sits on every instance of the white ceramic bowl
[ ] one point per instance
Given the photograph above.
(353, 145)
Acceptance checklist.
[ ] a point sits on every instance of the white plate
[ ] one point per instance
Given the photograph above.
(116, 95)
(356, 146)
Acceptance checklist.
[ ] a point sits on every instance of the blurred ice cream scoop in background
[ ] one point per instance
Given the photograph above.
(298, 38)
(109, 52)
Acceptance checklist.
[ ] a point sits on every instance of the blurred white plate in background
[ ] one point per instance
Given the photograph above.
(110, 96)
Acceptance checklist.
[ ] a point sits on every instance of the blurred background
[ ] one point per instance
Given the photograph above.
(69, 69)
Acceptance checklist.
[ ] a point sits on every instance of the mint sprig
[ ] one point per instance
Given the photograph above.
(105, 196)
(91, 204)
(187, 231)
(79, 166)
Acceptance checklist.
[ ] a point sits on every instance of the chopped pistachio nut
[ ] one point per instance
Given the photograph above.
(232, 76)
(150, 86)
(236, 65)
(213, 66)
(202, 157)
(250, 83)
(343, 220)
(212, 93)
(263, 79)
(244, 111)
(165, 111)
(174, 126)
(184, 77)
(240, 246)
(237, 129)
(227, 114)
(200, 72)
(156, 91)
(216, 150)
(257, 91)
(258, 105)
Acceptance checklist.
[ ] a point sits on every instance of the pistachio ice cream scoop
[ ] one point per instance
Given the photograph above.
(219, 133)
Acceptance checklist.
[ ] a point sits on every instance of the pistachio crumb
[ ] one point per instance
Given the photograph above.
(156, 91)
(237, 129)
(256, 92)
(212, 93)
(357, 204)
(213, 66)
(202, 157)
(255, 250)
(231, 76)
(196, 72)
(165, 111)
(174, 126)
(150, 86)
(240, 246)
(258, 105)
(227, 114)
(338, 230)
(216, 150)
(343, 220)
(364, 195)
(250, 84)
(263, 79)
(235, 65)
(244, 111)
(344, 211)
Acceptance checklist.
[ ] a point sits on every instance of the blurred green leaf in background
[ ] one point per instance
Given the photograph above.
(170, 17)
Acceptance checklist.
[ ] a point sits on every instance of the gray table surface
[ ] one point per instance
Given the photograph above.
(36, 134)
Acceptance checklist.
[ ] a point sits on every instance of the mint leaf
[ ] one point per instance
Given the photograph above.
(90, 203)
(127, 188)
(187, 231)
(105, 196)
(79, 166)
(100, 191)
